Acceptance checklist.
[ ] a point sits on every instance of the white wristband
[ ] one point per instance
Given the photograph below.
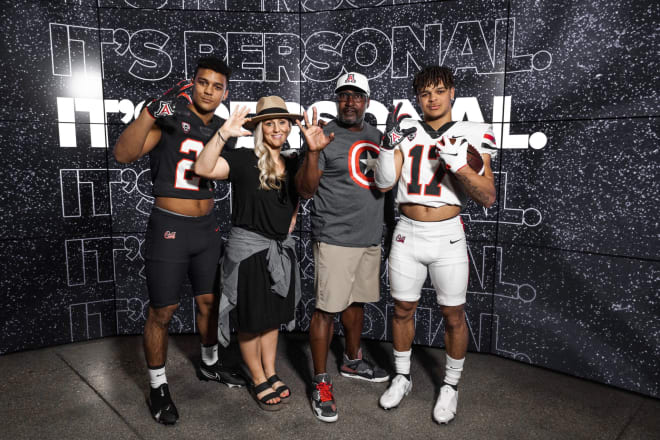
(385, 176)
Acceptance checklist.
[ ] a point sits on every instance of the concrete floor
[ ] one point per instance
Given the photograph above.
(97, 390)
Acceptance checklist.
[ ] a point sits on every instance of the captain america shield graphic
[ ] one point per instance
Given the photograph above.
(362, 158)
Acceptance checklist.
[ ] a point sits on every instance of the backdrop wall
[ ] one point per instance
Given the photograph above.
(564, 268)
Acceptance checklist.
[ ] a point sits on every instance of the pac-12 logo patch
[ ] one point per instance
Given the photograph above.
(186, 127)
(169, 235)
(362, 159)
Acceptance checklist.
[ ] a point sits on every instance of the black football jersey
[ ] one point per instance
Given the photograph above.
(183, 138)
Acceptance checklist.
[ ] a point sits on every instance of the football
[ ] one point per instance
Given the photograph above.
(473, 157)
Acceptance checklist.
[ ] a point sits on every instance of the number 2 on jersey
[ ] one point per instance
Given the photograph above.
(185, 166)
(432, 188)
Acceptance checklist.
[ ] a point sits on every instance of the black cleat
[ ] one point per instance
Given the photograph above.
(220, 374)
(161, 405)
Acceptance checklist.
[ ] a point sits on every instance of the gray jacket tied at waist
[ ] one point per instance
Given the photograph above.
(241, 245)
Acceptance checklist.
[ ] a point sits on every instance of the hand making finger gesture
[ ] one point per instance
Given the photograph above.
(315, 137)
(394, 135)
(163, 106)
(233, 127)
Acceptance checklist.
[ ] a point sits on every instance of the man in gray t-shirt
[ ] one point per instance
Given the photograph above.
(348, 209)
(347, 219)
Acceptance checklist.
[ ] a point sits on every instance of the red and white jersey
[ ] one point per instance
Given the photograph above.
(424, 179)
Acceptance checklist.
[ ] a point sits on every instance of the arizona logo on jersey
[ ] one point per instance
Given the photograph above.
(362, 159)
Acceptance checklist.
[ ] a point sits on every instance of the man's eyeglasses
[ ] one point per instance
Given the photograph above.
(356, 97)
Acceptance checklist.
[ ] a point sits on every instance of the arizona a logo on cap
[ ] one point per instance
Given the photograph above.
(353, 79)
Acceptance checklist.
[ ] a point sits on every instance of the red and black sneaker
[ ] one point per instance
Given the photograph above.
(323, 402)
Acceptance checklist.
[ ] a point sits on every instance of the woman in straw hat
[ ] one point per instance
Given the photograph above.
(260, 278)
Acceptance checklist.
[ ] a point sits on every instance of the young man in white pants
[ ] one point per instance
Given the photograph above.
(428, 159)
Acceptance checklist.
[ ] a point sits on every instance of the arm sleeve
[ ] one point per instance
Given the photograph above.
(385, 176)
(487, 145)
(234, 158)
(230, 144)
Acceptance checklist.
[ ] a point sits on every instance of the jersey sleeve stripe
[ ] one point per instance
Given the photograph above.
(489, 137)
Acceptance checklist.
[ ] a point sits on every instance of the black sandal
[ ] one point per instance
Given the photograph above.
(263, 402)
(279, 390)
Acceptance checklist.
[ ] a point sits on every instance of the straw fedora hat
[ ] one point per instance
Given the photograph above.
(270, 107)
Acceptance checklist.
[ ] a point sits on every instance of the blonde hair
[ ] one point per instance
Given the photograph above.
(269, 177)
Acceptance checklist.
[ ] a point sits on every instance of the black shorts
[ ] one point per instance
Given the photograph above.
(177, 246)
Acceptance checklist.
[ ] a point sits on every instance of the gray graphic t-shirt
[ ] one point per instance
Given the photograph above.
(348, 207)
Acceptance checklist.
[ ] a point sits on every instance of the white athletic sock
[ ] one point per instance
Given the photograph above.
(453, 369)
(402, 361)
(157, 377)
(210, 354)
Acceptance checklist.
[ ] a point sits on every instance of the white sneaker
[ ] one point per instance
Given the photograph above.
(445, 407)
(399, 389)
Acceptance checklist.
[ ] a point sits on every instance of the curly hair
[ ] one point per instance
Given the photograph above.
(432, 75)
(269, 177)
(213, 63)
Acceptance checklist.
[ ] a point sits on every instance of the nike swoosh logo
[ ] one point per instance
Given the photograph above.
(455, 241)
